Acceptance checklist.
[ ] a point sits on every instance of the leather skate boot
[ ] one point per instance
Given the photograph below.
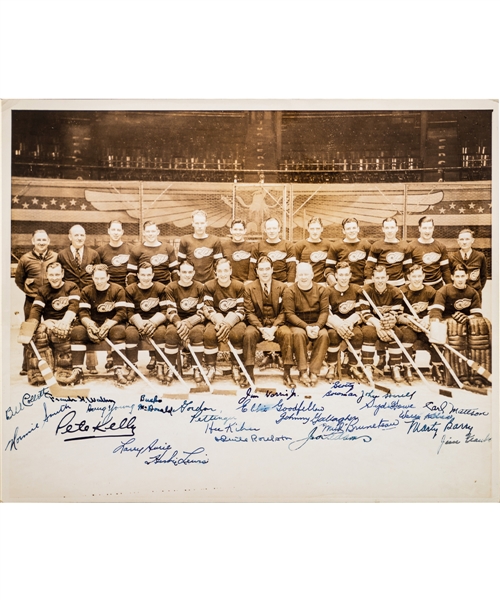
(331, 374)
(408, 374)
(197, 376)
(152, 363)
(120, 377)
(437, 374)
(75, 377)
(396, 374)
(131, 375)
(235, 374)
(211, 373)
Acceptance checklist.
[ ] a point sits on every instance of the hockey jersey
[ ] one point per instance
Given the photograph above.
(102, 305)
(225, 301)
(203, 253)
(184, 302)
(433, 258)
(281, 253)
(390, 300)
(391, 255)
(116, 260)
(449, 300)
(314, 253)
(355, 253)
(476, 267)
(306, 307)
(344, 304)
(239, 254)
(145, 302)
(420, 300)
(162, 259)
(52, 303)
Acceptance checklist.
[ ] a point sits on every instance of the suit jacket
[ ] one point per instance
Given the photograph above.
(254, 303)
(81, 276)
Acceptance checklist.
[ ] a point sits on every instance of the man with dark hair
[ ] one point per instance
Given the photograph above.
(351, 249)
(224, 309)
(314, 249)
(202, 249)
(184, 301)
(102, 312)
(468, 332)
(56, 303)
(306, 311)
(343, 321)
(161, 255)
(473, 260)
(389, 301)
(431, 254)
(266, 319)
(389, 252)
(238, 250)
(31, 274)
(115, 254)
(278, 250)
(146, 314)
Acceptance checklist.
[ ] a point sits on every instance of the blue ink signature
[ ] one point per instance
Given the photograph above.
(105, 428)
(334, 436)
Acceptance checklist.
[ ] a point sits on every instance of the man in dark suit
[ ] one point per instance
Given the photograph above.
(266, 319)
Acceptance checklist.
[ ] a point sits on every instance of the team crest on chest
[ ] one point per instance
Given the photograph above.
(158, 259)
(474, 275)
(119, 259)
(188, 303)
(60, 303)
(419, 307)
(356, 255)
(317, 256)
(241, 255)
(105, 307)
(228, 304)
(395, 257)
(462, 303)
(89, 269)
(203, 252)
(275, 255)
(347, 306)
(149, 303)
(430, 258)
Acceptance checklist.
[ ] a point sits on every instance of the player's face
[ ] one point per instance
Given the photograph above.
(351, 231)
(380, 280)
(343, 276)
(186, 274)
(416, 278)
(390, 230)
(199, 225)
(264, 271)
(223, 273)
(459, 279)
(151, 233)
(145, 276)
(465, 241)
(55, 276)
(100, 279)
(115, 232)
(238, 232)
(77, 237)
(426, 230)
(272, 230)
(304, 275)
(315, 230)
(40, 242)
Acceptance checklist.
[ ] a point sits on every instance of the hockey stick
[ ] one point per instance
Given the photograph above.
(365, 370)
(245, 372)
(442, 391)
(171, 366)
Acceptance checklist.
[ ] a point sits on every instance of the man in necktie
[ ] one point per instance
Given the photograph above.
(473, 260)
(266, 319)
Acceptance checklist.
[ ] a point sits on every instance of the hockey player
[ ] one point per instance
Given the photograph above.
(161, 255)
(473, 260)
(420, 297)
(389, 252)
(238, 250)
(224, 309)
(57, 303)
(389, 301)
(146, 315)
(279, 251)
(31, 274)
(314, 249)
(266, 319)
(343, 321)
(184, 301)
(102, 313)
(430, 254)
(202, 249)
(115, 254)
(351, 249)
(468, 332)
(306, 311)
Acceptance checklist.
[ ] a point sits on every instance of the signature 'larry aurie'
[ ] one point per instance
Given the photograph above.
(163, 453)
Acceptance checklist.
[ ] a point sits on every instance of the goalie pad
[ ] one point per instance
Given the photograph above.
(457, 338)
(63, 362)
(479, 339)
(33, 371)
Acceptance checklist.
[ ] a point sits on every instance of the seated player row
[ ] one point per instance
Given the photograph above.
(308, 321)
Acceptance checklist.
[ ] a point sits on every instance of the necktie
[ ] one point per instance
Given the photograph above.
(78, 259)
(266, 293)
